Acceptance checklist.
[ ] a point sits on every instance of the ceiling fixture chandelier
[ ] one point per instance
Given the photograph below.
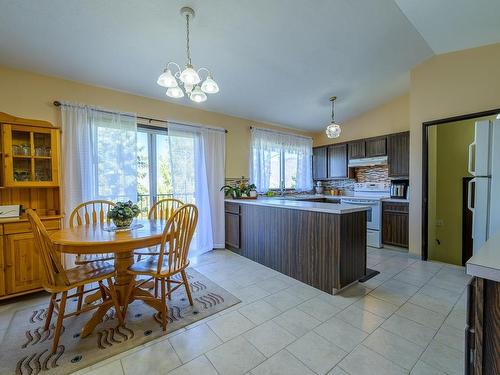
(333, 130)
(189, 78)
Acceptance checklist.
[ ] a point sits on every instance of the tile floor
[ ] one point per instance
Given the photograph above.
(407, 320)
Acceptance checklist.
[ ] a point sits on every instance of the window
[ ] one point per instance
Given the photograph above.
(280, 161)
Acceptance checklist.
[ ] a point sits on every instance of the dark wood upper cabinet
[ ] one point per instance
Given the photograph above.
(376, 147)
(320, 164)
(398, 154)
(357, 149)
(337, 161)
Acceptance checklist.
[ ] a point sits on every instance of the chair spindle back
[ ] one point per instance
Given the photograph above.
(54, 273)
(91, 212)
(164, 208)
(178, 234)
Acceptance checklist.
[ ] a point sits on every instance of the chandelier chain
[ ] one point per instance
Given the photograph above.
(188, 50)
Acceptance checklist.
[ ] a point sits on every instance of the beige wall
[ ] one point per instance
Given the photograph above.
(391, 117)
(447, 85)
(31, 95)
(449, 165)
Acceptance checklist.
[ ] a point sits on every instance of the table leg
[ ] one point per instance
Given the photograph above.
(122, 282)
(123, 279)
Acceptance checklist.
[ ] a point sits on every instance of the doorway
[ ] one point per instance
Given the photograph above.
(446, 220)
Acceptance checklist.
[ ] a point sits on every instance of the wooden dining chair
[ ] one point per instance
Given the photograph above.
(172, 259)
(161, 210)
(91, 212)
(56, 280)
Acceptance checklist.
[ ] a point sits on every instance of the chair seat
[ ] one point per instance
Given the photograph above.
(90, 272)
(90, 258)
(149, 266)
(147, 251)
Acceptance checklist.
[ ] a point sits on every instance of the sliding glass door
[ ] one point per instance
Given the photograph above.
(156, 154)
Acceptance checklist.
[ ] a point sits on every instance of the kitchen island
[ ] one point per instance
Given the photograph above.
(320, 244)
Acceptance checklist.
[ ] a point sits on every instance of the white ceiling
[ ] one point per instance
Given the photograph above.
(276, 61)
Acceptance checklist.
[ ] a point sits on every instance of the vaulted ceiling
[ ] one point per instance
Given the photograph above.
(276, 61)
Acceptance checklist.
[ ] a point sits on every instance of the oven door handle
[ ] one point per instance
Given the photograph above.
(369, 203)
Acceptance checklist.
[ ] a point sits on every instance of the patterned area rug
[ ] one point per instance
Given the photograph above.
(25, 348)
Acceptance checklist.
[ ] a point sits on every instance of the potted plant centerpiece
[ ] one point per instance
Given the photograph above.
(241, 191)
(123, 214)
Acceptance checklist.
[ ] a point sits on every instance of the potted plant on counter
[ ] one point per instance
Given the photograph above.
(241, 191)
(123, 214)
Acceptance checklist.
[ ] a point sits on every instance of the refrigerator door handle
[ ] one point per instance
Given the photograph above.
(472, 147)
(470, 203)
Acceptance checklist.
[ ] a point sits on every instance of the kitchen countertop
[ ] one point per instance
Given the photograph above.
(330, 208)
(486, 263)
(398, 200)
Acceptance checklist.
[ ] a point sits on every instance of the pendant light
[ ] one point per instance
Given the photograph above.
(186, 81)
(333, 130)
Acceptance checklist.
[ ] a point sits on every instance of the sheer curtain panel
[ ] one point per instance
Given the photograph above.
(197, 157)
(266, 143)
(99, 155)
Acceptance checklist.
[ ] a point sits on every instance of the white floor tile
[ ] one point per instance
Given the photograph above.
(230, 325)
(235, 357)
(341, 334)
(297, 322)
(259, 311)
(282, 300)
(363, 361)
(443, 358)
(319, 308)
(409, 329)
(280, 364)
(376, 306)
(154, 359)
(361, 319)
(420, 315)
(316, 353)
(394, 347)
(200, 365)
(269, 338)
(422, 368)
(193, 342)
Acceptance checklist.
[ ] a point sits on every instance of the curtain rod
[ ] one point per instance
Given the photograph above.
(278, 132)
(149, 119)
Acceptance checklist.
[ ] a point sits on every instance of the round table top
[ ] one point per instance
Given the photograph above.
(95, 239)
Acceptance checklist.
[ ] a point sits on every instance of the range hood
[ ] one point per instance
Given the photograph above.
(368, 162)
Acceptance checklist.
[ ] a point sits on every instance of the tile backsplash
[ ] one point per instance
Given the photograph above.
(379, 173)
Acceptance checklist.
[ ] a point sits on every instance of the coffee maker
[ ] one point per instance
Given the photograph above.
(399, 189)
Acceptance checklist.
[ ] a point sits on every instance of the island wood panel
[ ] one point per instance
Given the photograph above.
(326, 251)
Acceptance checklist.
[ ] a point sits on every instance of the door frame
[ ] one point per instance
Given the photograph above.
(425, 166)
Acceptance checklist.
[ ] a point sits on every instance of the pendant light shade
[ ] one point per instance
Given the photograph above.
(189, 76)
(210, 86)
(197, 95)
(175, 92)
(333, 130)
(166, 79)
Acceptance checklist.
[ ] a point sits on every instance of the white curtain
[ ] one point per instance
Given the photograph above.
(265, 142)
(99, 155)
(197, 157)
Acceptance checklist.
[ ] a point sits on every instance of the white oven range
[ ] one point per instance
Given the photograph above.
(370, 194)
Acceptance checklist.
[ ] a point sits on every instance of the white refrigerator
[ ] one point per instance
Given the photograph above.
(484, 188)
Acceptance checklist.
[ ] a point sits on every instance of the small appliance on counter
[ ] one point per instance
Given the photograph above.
(399, 189)
(319, 188)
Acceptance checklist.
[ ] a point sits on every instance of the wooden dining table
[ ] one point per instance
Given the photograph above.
(99, 239)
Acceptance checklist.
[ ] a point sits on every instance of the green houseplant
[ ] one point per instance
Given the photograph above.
(123, 214)
(241, 190)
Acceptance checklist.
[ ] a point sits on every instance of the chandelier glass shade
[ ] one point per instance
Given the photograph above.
(333, 130)
(187, 81)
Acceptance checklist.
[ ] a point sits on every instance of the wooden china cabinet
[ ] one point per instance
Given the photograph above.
(29, 154)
